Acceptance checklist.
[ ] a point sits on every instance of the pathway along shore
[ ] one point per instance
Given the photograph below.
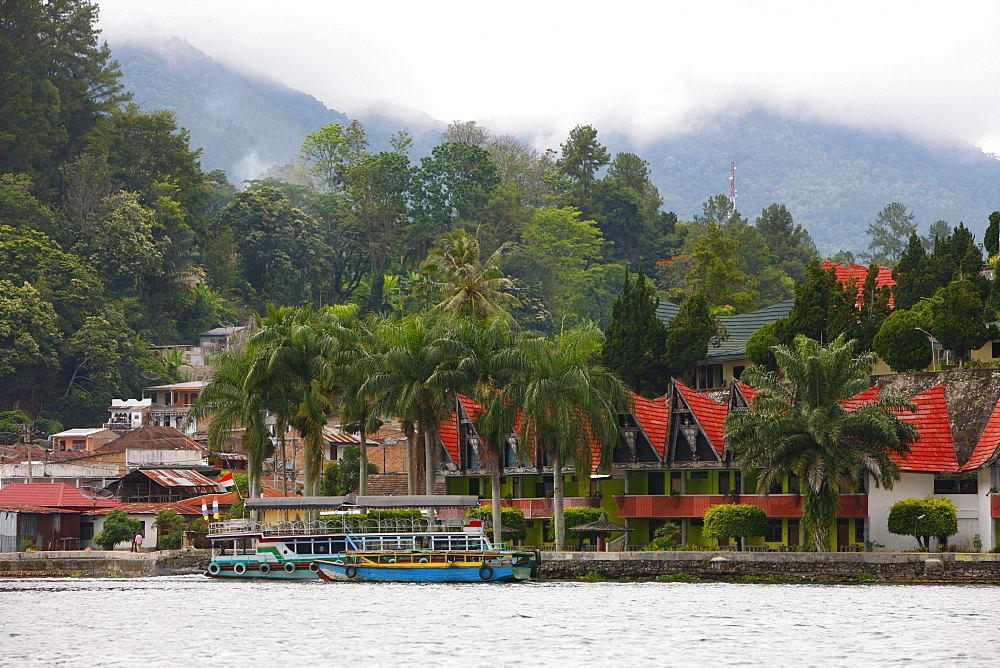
(946, 567)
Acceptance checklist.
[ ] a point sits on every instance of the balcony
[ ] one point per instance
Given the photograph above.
(534, 509)
(775, 505)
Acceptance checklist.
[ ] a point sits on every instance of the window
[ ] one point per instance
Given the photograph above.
(859, 530)
(699, 475)
(773, 531)
(656, 483)
(793, 484)
(793, 532)
(474, 486)
(738, 371)
(967, 484)
(79, 444)
(724, 482)
(775, 487)
(676, 483)
(996, 349)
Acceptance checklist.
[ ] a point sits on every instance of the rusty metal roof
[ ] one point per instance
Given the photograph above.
(180, 478)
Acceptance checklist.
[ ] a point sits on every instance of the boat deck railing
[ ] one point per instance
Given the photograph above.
(325, 526)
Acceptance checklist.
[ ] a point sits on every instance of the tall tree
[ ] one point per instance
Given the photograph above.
(716, 275)
(889, 232)
(635, 341)
(958, 318)
(688, 336)
(790, 243)
(468, 285)
(568, 404)
(581, 158)
(796, 425)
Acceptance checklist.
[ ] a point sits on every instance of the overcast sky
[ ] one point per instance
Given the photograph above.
(931, 69)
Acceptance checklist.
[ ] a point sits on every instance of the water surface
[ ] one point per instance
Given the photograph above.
(192, 620)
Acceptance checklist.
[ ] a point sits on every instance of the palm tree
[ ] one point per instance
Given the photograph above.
(233, 403)
(568, 403)
(302, 357)
(355, 406)
(415, 379)
(493, 359)
(798, 425)
(468, 285)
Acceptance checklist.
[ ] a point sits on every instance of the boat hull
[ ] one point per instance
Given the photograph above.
(340, 572)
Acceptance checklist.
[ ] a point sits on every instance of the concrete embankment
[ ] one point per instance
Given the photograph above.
(774, 566)
(102, 563)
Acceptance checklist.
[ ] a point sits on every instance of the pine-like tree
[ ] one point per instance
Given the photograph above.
(635, 342)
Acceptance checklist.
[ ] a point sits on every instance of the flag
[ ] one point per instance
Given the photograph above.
(226, 480)
(204, 511)
(215, 508)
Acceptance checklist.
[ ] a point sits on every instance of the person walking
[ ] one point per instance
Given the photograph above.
(137, 542)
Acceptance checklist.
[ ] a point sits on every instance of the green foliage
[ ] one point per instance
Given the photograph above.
(575, 516)
(900, 344)
(790, 431)
(511, 518)
(343, 477)
(27, 544)
(736, 520)
(924, 518)
(171, 527)
(118, 528)
(760, 346)
(888, 233)
(635, 341)
(664, 538)
(958, 318)
(688, 336)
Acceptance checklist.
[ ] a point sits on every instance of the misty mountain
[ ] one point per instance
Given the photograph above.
(244, 124)
(833, 179)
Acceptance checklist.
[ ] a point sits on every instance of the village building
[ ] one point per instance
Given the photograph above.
(47, 514)
(87, 439)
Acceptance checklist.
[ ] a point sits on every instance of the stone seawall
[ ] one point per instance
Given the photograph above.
(102, 564)
(773, 566)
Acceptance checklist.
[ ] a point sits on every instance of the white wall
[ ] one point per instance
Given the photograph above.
(880, 500)
(988, 477)
(148, 532)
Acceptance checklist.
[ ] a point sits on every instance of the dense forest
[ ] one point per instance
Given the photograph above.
(833, 179)
(113, 238)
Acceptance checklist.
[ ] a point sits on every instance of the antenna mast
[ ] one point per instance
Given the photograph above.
(732, 183)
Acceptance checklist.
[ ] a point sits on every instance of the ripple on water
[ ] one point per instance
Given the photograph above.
(210, 622)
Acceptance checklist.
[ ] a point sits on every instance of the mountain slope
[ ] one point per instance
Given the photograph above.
(244, 124)
(834, 180)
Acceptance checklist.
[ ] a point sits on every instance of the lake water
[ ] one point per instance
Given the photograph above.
(192, 620)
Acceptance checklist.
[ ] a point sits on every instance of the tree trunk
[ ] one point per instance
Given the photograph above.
(558, 517)
(429, 468)
(411, 470)
(363, 473)
(495, 497)
(419, 460)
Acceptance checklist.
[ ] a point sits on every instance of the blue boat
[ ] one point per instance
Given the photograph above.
(429, 566)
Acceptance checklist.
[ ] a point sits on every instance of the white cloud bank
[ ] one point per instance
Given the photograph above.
(929, 69)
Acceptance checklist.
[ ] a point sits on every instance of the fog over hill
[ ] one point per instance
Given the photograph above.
(833, 179)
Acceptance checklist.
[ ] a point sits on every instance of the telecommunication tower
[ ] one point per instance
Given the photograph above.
(732, 184)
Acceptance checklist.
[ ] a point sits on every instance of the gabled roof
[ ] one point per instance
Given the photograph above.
(861, 398)
(987, 448)
(934, 451)
(744, 390)
(150, 437)
(448, 431)
(52, 495)
(337, 436)
(653, 416)
(711, 415)
(178, 478)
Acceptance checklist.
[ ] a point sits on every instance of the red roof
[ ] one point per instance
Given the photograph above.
(53, 495)
(748, 392)
(934, 450)
(861, 398)
(448, 431)
(711, 415)
(225, 498)
(857, 274)
(653, 416)
(989, 442)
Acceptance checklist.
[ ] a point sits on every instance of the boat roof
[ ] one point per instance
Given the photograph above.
(330, 502)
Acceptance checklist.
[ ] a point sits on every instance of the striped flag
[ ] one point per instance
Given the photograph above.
(204, 511)
(226, 480)
(215, 508)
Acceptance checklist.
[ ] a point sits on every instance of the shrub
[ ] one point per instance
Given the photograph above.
(923, 518)
(735, 520)
(118, 528)
(512, 518)
(664, 538)
(27, 544)
(574, 517)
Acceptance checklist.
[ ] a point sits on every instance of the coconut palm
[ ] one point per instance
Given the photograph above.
(302, 356)
(798, 425)
(568, 403)
(492, 360)
(233, 404)
(415, 379)
(468, 285)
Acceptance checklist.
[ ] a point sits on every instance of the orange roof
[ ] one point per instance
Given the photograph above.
(857, 273)
(448, 431)
(653, 416)
(226, 498)
(711, 415)
(934, 449)
(861, 398)
(748, 392)
(53, 495)
(989, 443)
